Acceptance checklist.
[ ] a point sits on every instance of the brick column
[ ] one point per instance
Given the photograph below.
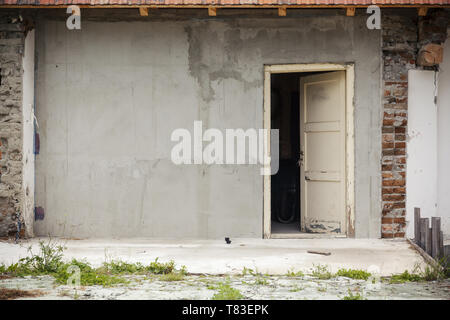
(399, 55)
(403, 37)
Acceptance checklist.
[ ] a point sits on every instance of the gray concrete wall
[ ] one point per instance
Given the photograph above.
(109, 96)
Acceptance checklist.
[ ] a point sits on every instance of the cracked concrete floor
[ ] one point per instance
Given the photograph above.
(203, 287)
(212, 261)
(271, 256)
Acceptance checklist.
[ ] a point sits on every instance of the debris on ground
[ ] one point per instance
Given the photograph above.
(324, 253)
(10, 294)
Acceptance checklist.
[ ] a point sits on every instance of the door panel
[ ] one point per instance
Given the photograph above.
(322, 139)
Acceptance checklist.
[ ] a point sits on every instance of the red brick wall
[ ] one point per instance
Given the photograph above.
(403, 36)
(399, 55)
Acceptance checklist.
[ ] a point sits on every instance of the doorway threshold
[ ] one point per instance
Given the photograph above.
(304, 235)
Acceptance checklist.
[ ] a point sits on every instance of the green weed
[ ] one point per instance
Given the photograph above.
(46, 260)
(122, 267)
(296, 288)
(321, 272)
(261, 280)
(292, 273)
(226, 292)
(173, 276)
(162, 268)
(405, 277)
(352, 296)
(353, 274)
(88, 275)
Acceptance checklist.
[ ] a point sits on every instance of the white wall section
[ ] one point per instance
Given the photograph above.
(28, 133)
(421, 172)
(428, 171)
(443, 144)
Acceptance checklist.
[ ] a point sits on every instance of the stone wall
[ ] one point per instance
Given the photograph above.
(11, 50)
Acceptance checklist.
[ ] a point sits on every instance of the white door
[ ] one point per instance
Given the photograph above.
(322, 158)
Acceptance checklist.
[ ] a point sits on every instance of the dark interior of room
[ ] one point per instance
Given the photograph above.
(285, 185)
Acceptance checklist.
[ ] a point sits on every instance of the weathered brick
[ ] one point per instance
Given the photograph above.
(399, 55)
(400, 145)
(388, 129)
(388, 138)
(393, 197)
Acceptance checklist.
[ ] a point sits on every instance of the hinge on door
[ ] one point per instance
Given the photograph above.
(300, 160)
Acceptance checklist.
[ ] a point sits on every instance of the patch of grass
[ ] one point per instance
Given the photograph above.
(156, 267)
(173, 276)
(434, 272)
(46, 260)
(10, 294)
(437, 271)
(211, 286)
(321, 272)
(88, 275)
(351, 296)
(405, 277)
(353, 274)
(261, 280)
(122, 267)
(226, 292)
(445, 263)
(322, 289)
(249, 271)
(292, 273)
(296, 289)
(246, 271)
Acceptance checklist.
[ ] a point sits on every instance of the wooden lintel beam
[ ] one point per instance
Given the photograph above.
(143, 11)
(282, 11)
(423, 11)
(350, 11)
(212, 11)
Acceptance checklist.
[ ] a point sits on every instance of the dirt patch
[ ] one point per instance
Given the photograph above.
(4, 276)
(10, 294)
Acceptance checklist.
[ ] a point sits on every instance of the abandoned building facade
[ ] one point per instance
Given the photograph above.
(86, 117)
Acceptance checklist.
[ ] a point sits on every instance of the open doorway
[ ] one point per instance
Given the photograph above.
(285, 185)
(309, 194)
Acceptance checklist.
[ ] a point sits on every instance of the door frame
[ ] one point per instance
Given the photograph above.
(349, 140)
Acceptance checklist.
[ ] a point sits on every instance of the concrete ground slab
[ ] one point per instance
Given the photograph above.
(273, 256)
(204, 287)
